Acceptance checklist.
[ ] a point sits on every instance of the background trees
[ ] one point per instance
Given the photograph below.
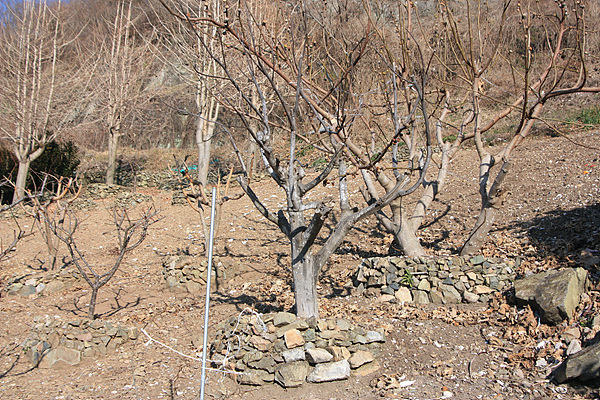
(39, 82)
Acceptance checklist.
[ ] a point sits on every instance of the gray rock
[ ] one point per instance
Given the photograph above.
(451, 295)
(403, 295)
(470, 297)
(555, 294)
(27, 290)
(55, 357)
(583, 365)
(266, 363)
(318, 356)
(292, 355)
(291, 374)
(255, 377)
(330, 372)
(54, 286)
(374, 336)
(193, 287)
(420, 297)
(283, 318)
(574, 347)
(359, 358)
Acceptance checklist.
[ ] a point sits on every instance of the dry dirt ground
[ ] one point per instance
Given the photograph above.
(551, 218)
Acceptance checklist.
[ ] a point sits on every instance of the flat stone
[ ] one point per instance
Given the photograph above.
(583, 365)
(255, 378)
(482, 289)
(193, 287)
(260, 343)
(283, 318)
(374, 336)
(420, 297)
(472, 276)
(424, 285)
(55, 357)
(339, 353)
(266, 363)
(436, 297)
(403, 295)
(554, 294)
(299, 324)
(343, 324)
(574, 347)
(451, 295)
(54, 286)
(330, 372)
(385, 298)
(292, 355)
(359, 358)
(470, 297)
(570, 333)
(479, 259)
(291, 374)
(318, 356)
(293, 338)
(27, 290)
(367, 369)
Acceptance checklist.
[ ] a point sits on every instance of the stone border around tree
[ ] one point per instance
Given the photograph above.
(280, 348)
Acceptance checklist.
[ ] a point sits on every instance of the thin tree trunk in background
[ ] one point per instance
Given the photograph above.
(21, 179)
(113, 142)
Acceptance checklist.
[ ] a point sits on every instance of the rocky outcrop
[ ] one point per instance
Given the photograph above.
(280, 348)
(424, 280)
(554, 294)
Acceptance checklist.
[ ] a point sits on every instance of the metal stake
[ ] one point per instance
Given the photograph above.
(207, 303)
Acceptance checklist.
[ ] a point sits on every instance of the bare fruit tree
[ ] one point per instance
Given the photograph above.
(131, 232)
(547, 56)
(305, 92)
(37, 89)
(54, 208)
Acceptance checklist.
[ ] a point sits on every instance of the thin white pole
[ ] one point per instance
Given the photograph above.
(207, 302)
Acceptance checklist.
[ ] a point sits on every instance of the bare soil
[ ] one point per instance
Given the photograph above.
(551, 218)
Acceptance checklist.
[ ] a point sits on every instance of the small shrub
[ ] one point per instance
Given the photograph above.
(589, 117)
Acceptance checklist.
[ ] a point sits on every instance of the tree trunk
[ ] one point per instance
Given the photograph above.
(92, 306)
(204, 132)
(113, 142)
(305, 277)
(21, 179)
(407, 239)
(489, 210)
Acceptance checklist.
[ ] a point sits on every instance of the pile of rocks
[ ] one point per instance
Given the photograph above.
(289, 351)
(48, 283)
(53, 341)
(188, 273)
(424, 280)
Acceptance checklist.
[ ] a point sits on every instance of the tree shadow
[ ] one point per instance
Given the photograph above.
(569, 235)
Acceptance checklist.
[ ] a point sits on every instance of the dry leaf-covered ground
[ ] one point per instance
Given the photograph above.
(551, 218)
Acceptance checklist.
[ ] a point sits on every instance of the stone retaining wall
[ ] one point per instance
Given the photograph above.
(188, 273)
(426, 280)
(54, 341)
(280, 348)
(50, 282)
